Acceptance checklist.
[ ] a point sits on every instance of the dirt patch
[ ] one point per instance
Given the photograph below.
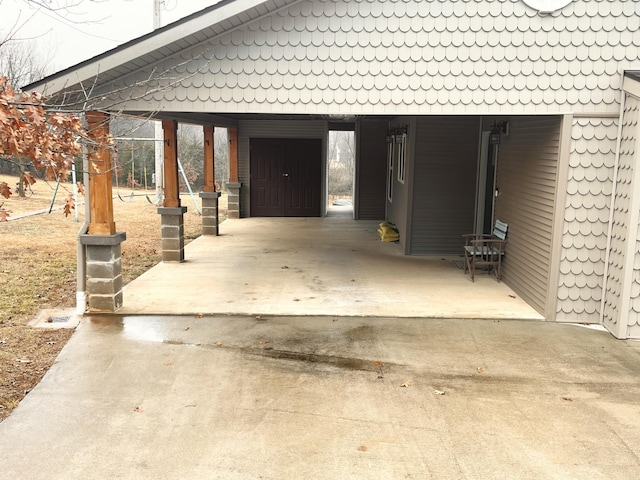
(38, 271)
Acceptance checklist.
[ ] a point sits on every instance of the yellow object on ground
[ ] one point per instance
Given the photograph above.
(388, 232)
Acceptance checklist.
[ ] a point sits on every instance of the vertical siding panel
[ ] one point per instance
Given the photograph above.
(446, 155)
(248, 129)
(371, 170)
(526, 179)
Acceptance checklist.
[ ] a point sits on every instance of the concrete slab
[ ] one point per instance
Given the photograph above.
(55, 318)
(315, 266)
(322, 398)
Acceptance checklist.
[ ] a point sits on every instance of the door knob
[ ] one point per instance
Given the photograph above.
(285, 174)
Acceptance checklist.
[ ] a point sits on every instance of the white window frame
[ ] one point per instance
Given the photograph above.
(390, 179)
(402, 152)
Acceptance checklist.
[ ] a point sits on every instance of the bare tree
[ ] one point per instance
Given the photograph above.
(341, 160)
(21, 63)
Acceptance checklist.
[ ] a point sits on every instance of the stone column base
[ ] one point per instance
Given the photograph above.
(104, 271)
(234, 200)
(210, 223)
(172, 225)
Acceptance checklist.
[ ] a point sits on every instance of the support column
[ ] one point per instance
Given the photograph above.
(100, 176)
(234, 185)
(171, 213)
(209, 196)
(171, 184)
(172, 225)
(210, 212)
(209, 164)
(102, 244)
(104, 271)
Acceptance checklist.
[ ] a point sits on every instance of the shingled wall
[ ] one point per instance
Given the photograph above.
(404, 57)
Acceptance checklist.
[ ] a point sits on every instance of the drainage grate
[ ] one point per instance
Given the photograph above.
(58, 319)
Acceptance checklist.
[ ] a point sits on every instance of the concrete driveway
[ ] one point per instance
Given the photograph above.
(240, 397)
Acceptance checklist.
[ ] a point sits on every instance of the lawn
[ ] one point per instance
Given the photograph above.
(38, 270)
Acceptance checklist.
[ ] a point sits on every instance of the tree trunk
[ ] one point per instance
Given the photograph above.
(20, 188)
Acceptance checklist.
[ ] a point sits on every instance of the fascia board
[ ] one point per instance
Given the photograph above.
(140, 46)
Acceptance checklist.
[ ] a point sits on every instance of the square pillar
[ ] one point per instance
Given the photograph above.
(172, 225)
(104, 271)
(210, 224)
(233, 190)
(171, 183)
(100, 175)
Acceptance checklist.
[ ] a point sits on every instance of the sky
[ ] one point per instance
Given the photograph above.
(87, 27)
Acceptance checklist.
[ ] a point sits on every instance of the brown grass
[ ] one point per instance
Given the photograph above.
(38, 270)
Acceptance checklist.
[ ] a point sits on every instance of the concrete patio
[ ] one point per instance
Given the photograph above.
(315, 266)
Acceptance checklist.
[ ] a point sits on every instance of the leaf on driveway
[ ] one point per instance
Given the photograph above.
(568, 399)
(218, 344)
(438, 392)
(137, 410)
(406, 384)
(480, 369)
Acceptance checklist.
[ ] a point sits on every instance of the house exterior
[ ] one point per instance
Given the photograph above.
(464, 111)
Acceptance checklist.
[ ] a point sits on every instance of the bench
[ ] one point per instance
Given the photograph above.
(485, 250)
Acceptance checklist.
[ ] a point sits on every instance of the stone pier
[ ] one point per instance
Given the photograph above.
(172, 225)
(104, 271)
(210, 213)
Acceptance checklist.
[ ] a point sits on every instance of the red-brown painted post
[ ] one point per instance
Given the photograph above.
(209, 167)
(233, 187)
(171, 184)
(209, 195)
(100, 177)
(233, 155)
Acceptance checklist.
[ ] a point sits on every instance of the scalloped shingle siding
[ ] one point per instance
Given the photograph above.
(586, 218)
(624, 191)
(467, 56)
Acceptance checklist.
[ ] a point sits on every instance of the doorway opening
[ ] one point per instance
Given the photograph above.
(341, 160)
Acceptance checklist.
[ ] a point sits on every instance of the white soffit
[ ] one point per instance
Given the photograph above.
(631, 86)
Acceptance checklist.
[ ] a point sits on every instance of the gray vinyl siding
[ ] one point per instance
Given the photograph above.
(397, 208)
(446, 153)
(526, 179)
(371, 170)
(248, 129)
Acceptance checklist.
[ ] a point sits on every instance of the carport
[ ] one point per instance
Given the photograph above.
(331, 266)
(442, 101)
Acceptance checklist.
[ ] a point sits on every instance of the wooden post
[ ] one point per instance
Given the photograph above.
(233, 155)
(209, 166)
(171, 184)
(100, 177)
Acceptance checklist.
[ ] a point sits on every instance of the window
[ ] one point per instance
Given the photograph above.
(401, 141)
(390, 150)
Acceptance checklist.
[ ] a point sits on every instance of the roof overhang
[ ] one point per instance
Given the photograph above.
(150, 48)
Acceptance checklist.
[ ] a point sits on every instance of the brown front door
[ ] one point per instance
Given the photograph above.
(285, 177)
